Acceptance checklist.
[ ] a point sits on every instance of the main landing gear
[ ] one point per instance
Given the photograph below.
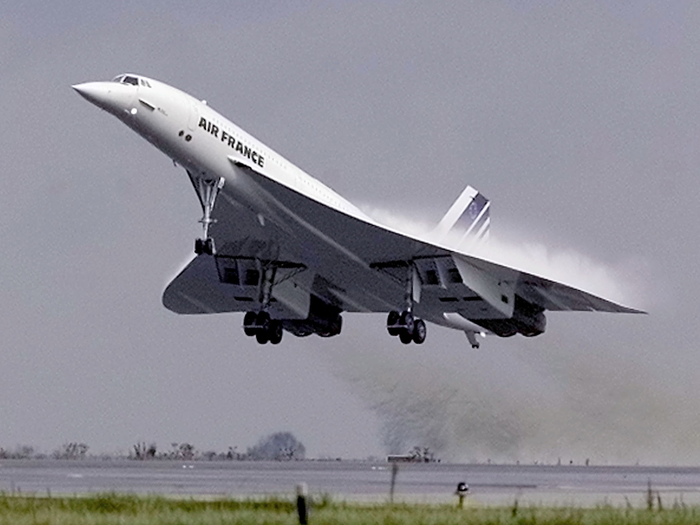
(207, 191)
(262, 327)
(259, 324)
(404, 325)
(408, 328)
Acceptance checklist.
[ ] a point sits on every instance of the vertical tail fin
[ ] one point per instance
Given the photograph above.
(467, 221)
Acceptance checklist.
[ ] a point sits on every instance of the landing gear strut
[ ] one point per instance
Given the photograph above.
(259, 324)
(404, 325)
(207, 191)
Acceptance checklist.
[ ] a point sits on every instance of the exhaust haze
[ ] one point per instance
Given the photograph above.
(513, 406)
(526, 400)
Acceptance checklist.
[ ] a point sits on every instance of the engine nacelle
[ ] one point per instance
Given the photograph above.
(324, 319)
(528, 320)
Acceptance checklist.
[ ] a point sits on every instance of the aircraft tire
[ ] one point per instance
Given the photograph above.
(406, 337)
(391, 322)
(249, 323)
(420, 331)
(262, 337)
(198, 246)
(262, 322)
(407, 322)
(275, 332)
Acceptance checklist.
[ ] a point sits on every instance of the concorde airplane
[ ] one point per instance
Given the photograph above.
(294, 255)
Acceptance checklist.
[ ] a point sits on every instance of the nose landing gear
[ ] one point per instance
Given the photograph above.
(205, 245)
(207, 190)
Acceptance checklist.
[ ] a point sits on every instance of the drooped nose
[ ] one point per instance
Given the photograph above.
(110, 96)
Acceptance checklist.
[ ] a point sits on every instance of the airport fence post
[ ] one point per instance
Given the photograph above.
(461, 493)
(394, 473)
(302, 508)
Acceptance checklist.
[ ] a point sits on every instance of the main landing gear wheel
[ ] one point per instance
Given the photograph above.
(275, 332)
(407, 322)
(263, 328)
(405, 337)
(420, 331)
(406, 327)
(392, 323)
(249, 323)
(262, 337)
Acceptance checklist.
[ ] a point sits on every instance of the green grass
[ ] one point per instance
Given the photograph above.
(154, 510)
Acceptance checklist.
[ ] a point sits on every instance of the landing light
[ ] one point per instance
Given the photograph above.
(134, 111)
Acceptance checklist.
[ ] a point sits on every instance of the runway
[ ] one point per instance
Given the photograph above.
(349, 480)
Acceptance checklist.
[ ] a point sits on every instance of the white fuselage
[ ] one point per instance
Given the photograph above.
(162, 112)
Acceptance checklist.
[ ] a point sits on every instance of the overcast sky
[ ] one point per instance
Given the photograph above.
(579, 120)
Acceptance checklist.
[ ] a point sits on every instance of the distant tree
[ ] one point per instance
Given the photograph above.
(234, 454)
(71, 451)
(183, 451)
(280, 446)
(141, 451)
(24, 452)
(209, 455)
(20, 452)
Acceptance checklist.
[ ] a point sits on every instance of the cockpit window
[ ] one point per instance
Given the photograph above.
(130, 79)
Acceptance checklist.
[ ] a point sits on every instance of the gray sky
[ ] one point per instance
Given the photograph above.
(579, 121)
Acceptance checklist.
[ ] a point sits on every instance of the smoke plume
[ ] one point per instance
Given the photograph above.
(555, 398)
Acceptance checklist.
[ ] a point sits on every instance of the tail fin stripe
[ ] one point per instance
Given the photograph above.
(467, 221)
(474, 222)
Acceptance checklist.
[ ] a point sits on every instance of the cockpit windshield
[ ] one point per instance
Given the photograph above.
(131, 79)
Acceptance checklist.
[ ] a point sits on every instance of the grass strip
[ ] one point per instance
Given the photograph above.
(124, 509)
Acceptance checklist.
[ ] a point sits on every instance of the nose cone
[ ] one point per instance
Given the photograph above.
(110, 96)
(94, 92)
